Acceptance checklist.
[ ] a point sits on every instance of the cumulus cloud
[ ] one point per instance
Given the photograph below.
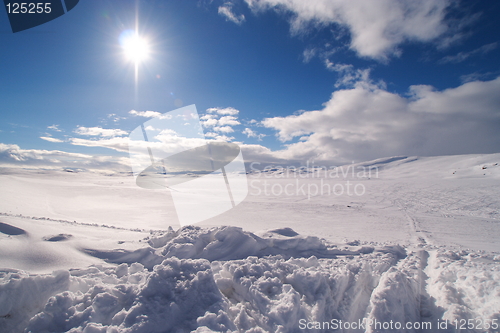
(50, 139)
(376, 27)
(368, 122)
(223, 129)
(228, 120)
(224, 111)
(252, 134)
(220, 119)
(98, 131)
(149, 114)
(226, 11)
(14, 156)
(209, 120)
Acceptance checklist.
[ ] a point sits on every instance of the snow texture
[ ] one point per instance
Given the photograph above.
(421, 247)
(225, 279)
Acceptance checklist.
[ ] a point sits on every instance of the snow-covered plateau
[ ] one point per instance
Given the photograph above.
(401, 244)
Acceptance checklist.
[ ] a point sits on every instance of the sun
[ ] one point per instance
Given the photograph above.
(135, 47)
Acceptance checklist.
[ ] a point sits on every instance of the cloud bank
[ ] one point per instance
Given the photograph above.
(14, 156)
(359, 123)
(368, 122)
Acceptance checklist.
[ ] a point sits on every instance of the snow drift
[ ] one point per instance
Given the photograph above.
(227, 280)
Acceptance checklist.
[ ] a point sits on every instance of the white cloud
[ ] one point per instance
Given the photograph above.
(209, 120)
(226, 10)
(368, 122)
(166, 141)
(348, 76)
(309, 53)
(224, 111)
(228, 120)
(462, 56)
(337, 67)
(376, 27)
(153, 129)
(208, 116)
(223, 129)
(252, 134)
(50, 139)
(114, 117)
(98, 131)
(477, 76)
(115, 143)
(149, 114)
(14, 156)
(220, 119)
(54, 128)
(219, 137)
(265, 156)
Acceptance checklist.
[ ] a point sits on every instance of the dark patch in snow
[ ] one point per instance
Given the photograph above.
(11, 230)
(57, 238)
(288, 232)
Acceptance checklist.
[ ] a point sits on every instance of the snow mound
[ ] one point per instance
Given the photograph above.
(207, 282)
(231, 243)
(182, 295)
(22, 296)
(130, 299)
(466, 285)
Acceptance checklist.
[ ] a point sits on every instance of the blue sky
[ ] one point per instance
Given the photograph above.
(290, 81)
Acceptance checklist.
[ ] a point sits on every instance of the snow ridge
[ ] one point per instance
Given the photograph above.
(232, 243)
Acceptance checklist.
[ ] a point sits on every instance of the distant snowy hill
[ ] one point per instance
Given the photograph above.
(453, 166)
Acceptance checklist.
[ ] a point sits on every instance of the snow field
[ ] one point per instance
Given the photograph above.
(419, 247)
